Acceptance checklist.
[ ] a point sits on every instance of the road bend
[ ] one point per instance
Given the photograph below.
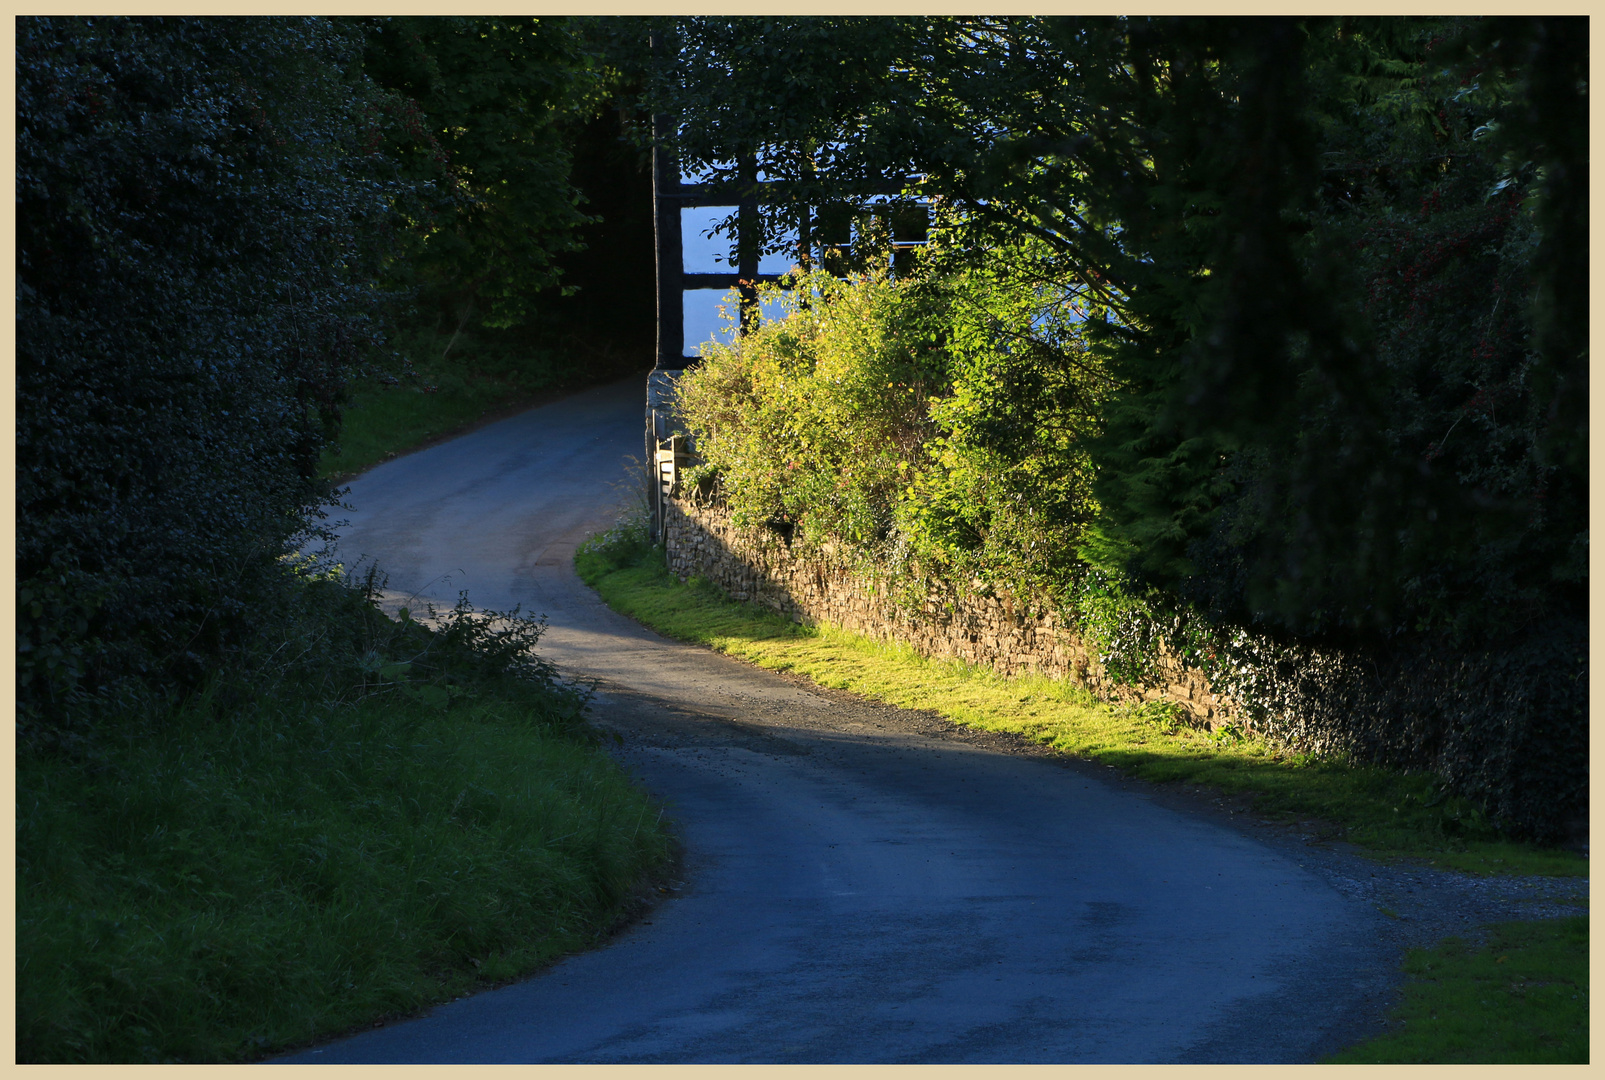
(861, 883)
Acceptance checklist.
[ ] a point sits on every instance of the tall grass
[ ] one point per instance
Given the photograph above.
(354, 821)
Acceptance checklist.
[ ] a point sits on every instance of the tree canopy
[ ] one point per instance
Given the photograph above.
(491, 104)
(1316, 255)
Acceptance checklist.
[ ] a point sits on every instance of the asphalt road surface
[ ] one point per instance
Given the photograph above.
(861, 883)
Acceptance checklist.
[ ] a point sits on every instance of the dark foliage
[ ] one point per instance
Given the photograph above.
(529, 250)
(1506, 726)
(492, 104)
(608, 305)
(1365, 418)
(199, 218)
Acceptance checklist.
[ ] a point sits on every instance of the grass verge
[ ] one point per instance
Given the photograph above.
(433, 392)
(1386, 813)
(381, 420)
(1522, 998)
(361, 818)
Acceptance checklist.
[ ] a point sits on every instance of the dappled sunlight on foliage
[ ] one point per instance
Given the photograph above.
(935, 423)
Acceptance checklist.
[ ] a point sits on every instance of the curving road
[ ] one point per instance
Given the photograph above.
(863, 884)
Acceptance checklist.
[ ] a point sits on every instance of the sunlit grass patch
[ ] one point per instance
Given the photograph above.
(1522, 998)
(1387, 813)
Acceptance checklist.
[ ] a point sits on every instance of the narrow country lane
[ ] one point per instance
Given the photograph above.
(862, 884)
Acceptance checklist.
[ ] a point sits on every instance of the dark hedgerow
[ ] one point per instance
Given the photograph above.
(200, 211)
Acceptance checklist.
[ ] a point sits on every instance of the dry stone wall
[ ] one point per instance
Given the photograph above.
(818, 587)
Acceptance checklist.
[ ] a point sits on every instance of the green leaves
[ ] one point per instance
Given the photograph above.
(813, 420)
(490, 107)
(938, 421)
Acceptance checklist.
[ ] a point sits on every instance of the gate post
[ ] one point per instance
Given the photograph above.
(670, 270)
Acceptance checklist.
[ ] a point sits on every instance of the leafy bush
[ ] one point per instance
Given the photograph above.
(815, 420)
(933, 423)
(1504, 725)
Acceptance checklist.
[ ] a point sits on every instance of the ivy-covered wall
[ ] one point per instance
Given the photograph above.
(1506, 727)
(982, 627)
